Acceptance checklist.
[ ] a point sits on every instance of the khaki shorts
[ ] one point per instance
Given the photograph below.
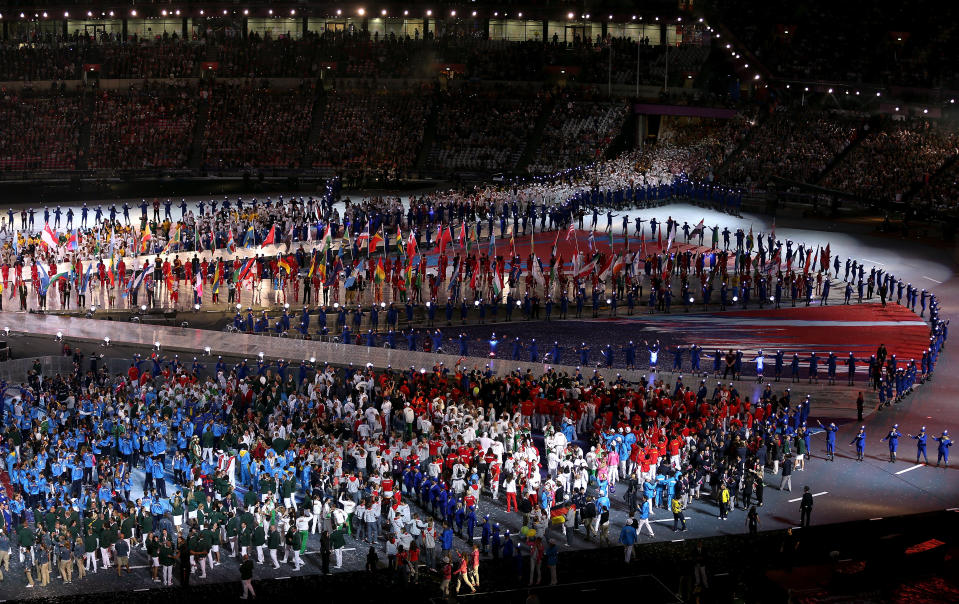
(123, 560)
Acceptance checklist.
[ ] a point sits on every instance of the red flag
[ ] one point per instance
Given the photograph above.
(411, 246)
(271, 238)
(375, 241)
(446, 237)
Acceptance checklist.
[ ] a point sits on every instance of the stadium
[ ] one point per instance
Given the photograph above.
(478, 301)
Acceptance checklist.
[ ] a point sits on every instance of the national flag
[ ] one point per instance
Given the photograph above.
(462, 236)
(410, 246)
(571, 232)
(145, 237)
(607, 269)
(498, 281)
(749, 238)
(216, 278)
(270, 238)
(399, 240)
(619, 264)
(700, 228)
(241, 273)
(48, 237)
(375, 240)
(86, 277)
(672, 235)
(174, 240)
(44, 276)
(198, 286)
(231, 243)
(249, 238)
(591, 241)
(363, 237)
(312, 265)
(379, 276)
(134, 284)
(587, 269)
(327, 240)
(61, 275)
(446, 237)
(284, 264)
(492, 246)
(72, 241)
(556, 245)
(537, 271)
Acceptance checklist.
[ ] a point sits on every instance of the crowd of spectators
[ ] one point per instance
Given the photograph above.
(889, 162)
(793, 144)
(371, 129)
(356, 54)
(488, 140)
(578, 132)
(147, 127)
(38, 133)
(697, 147)
(252, 126)
(942, 192)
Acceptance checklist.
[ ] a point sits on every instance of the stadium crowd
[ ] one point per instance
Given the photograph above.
(147, 127)
(889, 163)
(251, 125)
(371, 129)
(38, 133)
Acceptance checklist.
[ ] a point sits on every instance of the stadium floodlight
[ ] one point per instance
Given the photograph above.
(246, 11)
(830, 91)
(339, 11)
(453, 13)
(224, 11)
(429, 12)
(569, 15)
(292, 12)
(177, 12)
(474, 13)
(756, 77)
(383, 12)
(268, 12)
(361, 11)
(66, 14)
(520, 15)
(163, 12)
(133, 12)
(406, 13)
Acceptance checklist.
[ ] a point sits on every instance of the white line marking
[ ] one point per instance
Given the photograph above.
(144, 589)
(873, 261)
(814, 495)
(933, 280)
(909, 469)
(871, 519)
(678, 540)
